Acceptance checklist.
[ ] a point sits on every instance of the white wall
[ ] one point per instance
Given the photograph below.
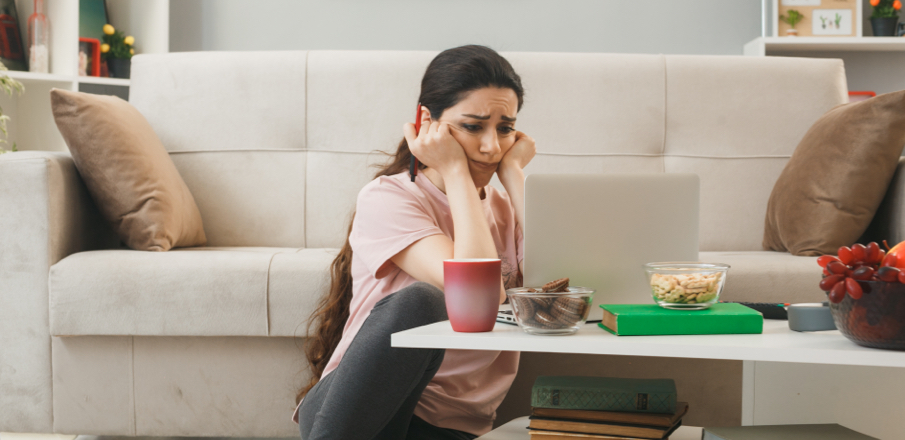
(710, 27)
(651, 26)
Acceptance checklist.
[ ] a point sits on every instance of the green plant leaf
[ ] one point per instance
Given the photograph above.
(10, 86)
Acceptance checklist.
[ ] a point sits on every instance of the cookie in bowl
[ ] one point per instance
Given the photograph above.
(552, 309)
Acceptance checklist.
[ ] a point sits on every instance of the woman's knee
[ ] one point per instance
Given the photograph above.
(424, 298)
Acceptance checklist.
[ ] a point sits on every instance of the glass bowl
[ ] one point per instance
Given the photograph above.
(561, 313)
(877, 319)
(686, 286)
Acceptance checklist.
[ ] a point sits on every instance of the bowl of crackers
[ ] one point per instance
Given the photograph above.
(686, 286)
(552, 309)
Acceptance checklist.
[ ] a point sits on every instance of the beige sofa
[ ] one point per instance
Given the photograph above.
(274, 146)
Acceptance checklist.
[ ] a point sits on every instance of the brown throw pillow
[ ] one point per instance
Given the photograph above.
(127, 171)
(831, 188)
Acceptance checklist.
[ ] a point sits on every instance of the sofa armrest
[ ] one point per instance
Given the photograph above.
(45, 215)
(44, 201)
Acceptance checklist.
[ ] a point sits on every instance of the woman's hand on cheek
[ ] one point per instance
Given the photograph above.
(435, 147)
(520, 154)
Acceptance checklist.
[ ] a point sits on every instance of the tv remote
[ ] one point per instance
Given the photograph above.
(506, 317)
(769, 310)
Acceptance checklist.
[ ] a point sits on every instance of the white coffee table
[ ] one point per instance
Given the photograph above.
(517, 429)
(788, 377)
(776, 344)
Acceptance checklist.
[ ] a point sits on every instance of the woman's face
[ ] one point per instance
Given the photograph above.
(484, 125)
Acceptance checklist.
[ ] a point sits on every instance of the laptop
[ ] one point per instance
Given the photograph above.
(600, 229)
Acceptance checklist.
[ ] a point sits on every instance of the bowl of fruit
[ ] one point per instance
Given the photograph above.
(865, 286)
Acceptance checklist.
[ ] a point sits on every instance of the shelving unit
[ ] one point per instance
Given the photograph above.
(31, 125)
(31, 77)
(778, 45)
(871, 63)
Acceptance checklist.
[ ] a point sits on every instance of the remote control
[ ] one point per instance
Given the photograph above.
(506, 317)
(769, 310)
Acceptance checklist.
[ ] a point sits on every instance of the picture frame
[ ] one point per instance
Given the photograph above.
(89, 57)
(822, 18)
(12, 48)
(93, 15)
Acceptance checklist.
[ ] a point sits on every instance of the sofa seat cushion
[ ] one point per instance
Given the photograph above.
(242, 291)
(771, 277)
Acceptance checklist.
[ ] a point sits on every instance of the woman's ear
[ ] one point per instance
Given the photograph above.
(425, 114)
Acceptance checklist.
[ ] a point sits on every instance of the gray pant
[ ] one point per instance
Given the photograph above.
(373, 392)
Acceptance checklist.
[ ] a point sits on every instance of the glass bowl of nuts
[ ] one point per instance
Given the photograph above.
(553, 309)
(686, 286)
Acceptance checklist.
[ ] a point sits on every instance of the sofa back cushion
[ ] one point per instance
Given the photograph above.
(561, 108)
(735, 121)
(291, 178)
(234, 124)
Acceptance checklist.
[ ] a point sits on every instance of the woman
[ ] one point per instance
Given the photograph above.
(387, 277)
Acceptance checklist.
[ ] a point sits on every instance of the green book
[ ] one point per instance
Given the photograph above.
(651, 319)
(604, 394)
(784, 432)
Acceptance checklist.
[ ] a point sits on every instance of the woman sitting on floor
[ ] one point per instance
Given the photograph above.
(389, 274)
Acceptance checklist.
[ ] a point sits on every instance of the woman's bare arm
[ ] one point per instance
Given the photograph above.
(435, 147)
(423, 259)
(512, 176)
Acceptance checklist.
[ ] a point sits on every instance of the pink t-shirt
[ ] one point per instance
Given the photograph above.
(392, 213)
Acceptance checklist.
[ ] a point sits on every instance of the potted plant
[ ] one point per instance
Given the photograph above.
(117, 52)
(9, 86)
(792, 19)
(885, 17)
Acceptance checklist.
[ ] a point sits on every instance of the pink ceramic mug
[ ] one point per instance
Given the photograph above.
(472, 290)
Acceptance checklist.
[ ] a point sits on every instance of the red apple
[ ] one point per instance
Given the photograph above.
(897, 253)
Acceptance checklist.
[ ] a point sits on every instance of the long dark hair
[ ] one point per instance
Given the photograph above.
(449, 78)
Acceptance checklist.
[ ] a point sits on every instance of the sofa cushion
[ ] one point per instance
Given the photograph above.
(620, 96)
(235, 127)
(736, 134)
(127, 171)
(187, 292)
(297, 282)
(772, 277)
(273, 291)
(832, 186)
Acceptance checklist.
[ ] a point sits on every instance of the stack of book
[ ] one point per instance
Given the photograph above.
(573, 407)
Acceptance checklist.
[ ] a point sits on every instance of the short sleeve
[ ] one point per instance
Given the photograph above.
(388, 219)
